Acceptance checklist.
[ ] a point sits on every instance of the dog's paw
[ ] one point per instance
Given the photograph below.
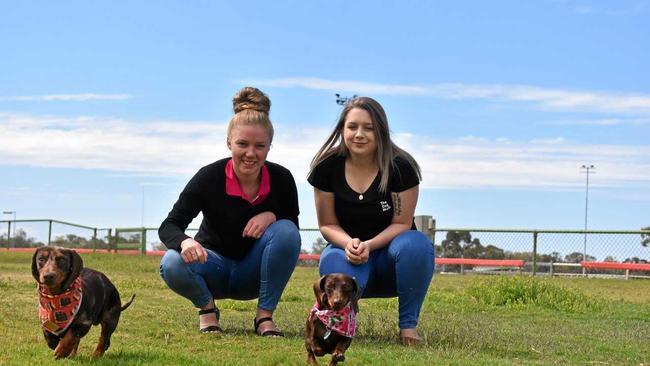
(338, 357)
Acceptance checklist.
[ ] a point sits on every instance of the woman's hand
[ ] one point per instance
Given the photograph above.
(258, 224)
(357, 251)
(193, 252)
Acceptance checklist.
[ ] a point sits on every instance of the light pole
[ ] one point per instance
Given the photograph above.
(586, 169)
(14, 224)
(142, 211)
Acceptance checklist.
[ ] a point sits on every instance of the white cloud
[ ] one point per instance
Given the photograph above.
(172, 148)
(546, 98)
(599, 122)
(82, 97)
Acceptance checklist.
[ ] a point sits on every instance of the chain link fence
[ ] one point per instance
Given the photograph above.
(545, 252)
(551, 252)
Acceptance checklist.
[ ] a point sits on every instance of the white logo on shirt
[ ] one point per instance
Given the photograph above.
(384, 206)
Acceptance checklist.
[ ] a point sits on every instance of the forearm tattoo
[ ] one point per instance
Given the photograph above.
(397, 203)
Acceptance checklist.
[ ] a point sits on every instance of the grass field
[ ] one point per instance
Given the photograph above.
(466, 320)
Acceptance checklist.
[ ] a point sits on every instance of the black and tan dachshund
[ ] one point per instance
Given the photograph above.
(332, 321)
(72, 299)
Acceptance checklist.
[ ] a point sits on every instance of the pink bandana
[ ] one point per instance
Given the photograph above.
(343, 322)
(58, 311)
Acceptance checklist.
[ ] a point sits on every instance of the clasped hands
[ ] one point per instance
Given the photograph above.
(193, 252)
(357, 251)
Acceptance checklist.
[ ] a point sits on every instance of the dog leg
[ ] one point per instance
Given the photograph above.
(104, 339)
(311, 359)
(339, 353)
(74, 348)
(65, 345)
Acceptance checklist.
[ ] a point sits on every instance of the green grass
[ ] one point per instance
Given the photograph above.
(466, 320)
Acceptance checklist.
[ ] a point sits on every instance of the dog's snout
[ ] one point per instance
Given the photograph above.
(338, 302)
(49, 277)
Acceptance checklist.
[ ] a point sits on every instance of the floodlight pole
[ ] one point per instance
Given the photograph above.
(343, 100)
(586, 169)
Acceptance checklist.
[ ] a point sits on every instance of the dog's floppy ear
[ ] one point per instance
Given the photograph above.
(319, 291)
(355, 296)
(76, 264)
(35, 272)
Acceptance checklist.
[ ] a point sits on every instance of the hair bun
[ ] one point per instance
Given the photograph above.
(251, 98)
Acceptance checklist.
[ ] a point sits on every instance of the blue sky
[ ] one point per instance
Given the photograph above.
(104, 105)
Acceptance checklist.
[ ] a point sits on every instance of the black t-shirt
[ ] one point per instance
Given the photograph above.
(224, 216)
(367, 217)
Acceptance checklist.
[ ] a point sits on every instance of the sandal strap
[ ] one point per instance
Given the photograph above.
(268, 333)
(257, 322)
(208, 311)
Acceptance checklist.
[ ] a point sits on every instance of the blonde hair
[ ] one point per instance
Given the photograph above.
(387, 151)
(251, 107)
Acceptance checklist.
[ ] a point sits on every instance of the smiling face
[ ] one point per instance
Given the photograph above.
(249, 145)
(359, 133)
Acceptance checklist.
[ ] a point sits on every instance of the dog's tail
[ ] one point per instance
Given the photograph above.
(125, 306)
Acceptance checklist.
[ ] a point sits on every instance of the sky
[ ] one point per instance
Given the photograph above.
(107, 108)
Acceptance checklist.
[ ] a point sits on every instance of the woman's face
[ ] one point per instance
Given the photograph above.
(359, 132)
(249, 146)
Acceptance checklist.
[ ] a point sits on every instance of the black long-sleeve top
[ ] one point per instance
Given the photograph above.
(224, 216)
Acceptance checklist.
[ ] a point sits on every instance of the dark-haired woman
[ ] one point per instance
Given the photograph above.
(248, 243)
(366, 190)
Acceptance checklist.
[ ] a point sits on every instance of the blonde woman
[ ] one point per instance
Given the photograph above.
(248, 243)
(366, 190)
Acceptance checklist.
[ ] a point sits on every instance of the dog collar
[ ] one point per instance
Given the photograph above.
(56, 312)
(343, 322)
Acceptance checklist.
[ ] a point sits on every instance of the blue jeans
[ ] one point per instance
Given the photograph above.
(263, 273)
(403, 268)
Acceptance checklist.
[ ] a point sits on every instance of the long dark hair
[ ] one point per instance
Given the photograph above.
(387, 150)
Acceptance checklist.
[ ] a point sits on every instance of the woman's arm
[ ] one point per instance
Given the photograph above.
(328, 224)
(403, 210)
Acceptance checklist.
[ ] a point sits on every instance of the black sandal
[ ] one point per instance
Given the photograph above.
(211, 328)
(268, 333)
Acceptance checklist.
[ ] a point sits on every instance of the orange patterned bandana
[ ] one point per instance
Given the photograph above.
(57, 311)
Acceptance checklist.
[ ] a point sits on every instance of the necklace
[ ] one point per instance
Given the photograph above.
(360, 197)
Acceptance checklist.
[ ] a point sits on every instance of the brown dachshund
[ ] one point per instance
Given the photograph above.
(72, 299)
(332, 321)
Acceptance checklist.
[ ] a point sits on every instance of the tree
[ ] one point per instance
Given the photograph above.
(455, 244)
(635, 260)
(492, 252)
(318, 246)
(20, 240)
(576, 257)
(75, 241)
(645, 238)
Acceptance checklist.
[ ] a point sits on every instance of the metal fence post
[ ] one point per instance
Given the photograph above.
(8, 234)
(109, 239)
(49, 233)
(94, 240)
(143, 242)
(534, 253)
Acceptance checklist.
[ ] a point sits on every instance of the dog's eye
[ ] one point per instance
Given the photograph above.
(41, 260)
(61, 260)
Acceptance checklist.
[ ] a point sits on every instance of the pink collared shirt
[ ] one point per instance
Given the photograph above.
(233, 187)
